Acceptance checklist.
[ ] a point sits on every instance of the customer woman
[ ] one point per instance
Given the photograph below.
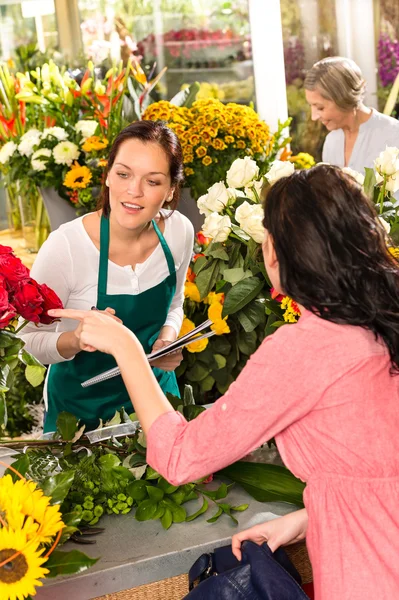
(335, 91)
(130, 258)
(326, 387)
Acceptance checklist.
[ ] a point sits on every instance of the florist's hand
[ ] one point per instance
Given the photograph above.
(98, 330)
(109, 311)
(169, 362)
(279, 532)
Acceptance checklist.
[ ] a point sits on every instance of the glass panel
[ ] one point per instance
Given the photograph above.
(309, 34)
(28, 22)
(198, 40)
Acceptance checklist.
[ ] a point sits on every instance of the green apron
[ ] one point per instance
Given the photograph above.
(144, 314)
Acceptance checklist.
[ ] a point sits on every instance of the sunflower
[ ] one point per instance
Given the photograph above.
(78, 177)
(23, 505)
(20, 576)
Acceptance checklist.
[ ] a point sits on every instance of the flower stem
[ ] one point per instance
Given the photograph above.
(382, 195)
(22, 326)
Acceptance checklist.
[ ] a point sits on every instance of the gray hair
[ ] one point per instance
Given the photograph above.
(338, 79)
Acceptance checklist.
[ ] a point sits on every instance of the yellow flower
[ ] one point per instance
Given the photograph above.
(394, 251)
(218, 144)
(78, 177)
(201, 151)
(102, 162)
(213, 298)
(95, 142)
(191, 291)
(240, 144)
(19, 577)
(188, 326)
(188, 171)
(195, 139)
(212, 131)
(229, 139)
(292, 311)
(303, 160)
(25, 505)
(215, 314)
(207, 161)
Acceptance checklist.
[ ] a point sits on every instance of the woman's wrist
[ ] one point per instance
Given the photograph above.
(68, 344)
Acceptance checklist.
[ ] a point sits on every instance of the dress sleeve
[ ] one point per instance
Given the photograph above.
(271, 393)
(52, 266)
(175, 314)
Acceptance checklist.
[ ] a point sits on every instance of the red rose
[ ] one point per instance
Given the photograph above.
(28, 300)
(5, 249)
(7, 311)
(50, 300)
(12, 269)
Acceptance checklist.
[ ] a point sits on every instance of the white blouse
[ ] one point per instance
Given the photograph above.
(68, 262)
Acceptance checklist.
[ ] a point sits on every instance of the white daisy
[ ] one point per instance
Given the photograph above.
(65, 153)
(7, 151)
(57, 132)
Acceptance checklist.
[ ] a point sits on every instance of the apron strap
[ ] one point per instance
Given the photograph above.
(104, 248)
(165, 248)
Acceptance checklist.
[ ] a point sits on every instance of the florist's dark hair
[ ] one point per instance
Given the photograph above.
(149, 131)
(332, 252)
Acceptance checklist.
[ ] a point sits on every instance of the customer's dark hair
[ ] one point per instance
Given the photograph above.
(149, 131)
(332, 252)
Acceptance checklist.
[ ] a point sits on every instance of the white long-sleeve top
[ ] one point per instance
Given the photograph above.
(68, 262)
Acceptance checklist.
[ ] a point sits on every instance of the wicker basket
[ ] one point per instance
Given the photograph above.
(175, 588)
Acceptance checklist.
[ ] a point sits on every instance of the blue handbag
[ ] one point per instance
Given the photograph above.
(260, 575)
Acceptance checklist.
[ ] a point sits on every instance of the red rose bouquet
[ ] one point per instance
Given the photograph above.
(20, 296)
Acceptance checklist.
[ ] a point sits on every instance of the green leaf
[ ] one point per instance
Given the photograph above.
(233, 276)
(166, 519)
(68, 563)
(241, 294)
(191, 412)
(116, 419)
(188, 396)
(35, 375)
(220, 360)
(221, 345)
(252, 315)
(3, 411)
(146, 510)
(240, 233)
(265, 482)
(247, 342)
(207, 384)
(167, 487)
(239, 508)
(200, 264)
(200, 511)
(369, 182)
(217, 250)
(108, 461)
(152, 474)
(7, 338)
(178, 512)
(58, 486)
(208, 277)
(155, 493)
(197, 372)
(137, 490)
(67, 425)
(187, 96)
(21, 465)
(215, 516)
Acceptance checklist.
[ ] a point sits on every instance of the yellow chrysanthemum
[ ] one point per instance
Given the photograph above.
(394, 251)
(191, 291)
(200, 151)
(215, 314)
(292, 311)
(240, 144)
(94, 142)
(25, 505)
(229, 139)
(188, 326)
(20, 577)
(303, 160)
(207, 161)
(188, 171)
(78, 177)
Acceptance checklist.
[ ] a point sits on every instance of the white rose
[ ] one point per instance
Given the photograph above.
(392, 182)
(355, 174)
(203, 206)
(241, 172)
(57, 132)
(65, 153)
(37, 164)
(279, 169)
(28, 141)
(257, 186)
(387, 163)
(217, 227)
(86, 127)
(7, 151)
(250, 218)
(217, 197)
(385, 225)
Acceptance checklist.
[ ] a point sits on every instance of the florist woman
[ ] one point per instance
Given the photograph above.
(325, 387)
(129, 259)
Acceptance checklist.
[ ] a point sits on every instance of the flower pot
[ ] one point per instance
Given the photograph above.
(188, 207)
(59, 210)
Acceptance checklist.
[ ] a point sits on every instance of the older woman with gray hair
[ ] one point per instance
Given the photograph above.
(357, 134)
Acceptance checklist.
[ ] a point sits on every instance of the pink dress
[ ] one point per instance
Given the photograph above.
(325, 392)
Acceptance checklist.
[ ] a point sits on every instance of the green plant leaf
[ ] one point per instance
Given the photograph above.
(197, 372)
(155, 493)
(4, 375)
(233, 276)
(146, 510)
(167, 519)
(187, 96)
(137, 490)
(167, 487)
(252, 315)
(247, 342)
(208, 277)
(68, 563)
(58, 486)
(215, 517)
(265, 482)
(217, 250)
(241, 294)
(21, 465)
(191, 412)
(35, 375)
(207, 384)
(220, 360)
(67, 425)
(188, 396)
(3, 411)
(369, 182)
(7, 338)
(200, 511)
(109, 461)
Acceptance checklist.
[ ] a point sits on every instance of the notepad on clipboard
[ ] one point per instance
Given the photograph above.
(192, 336)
